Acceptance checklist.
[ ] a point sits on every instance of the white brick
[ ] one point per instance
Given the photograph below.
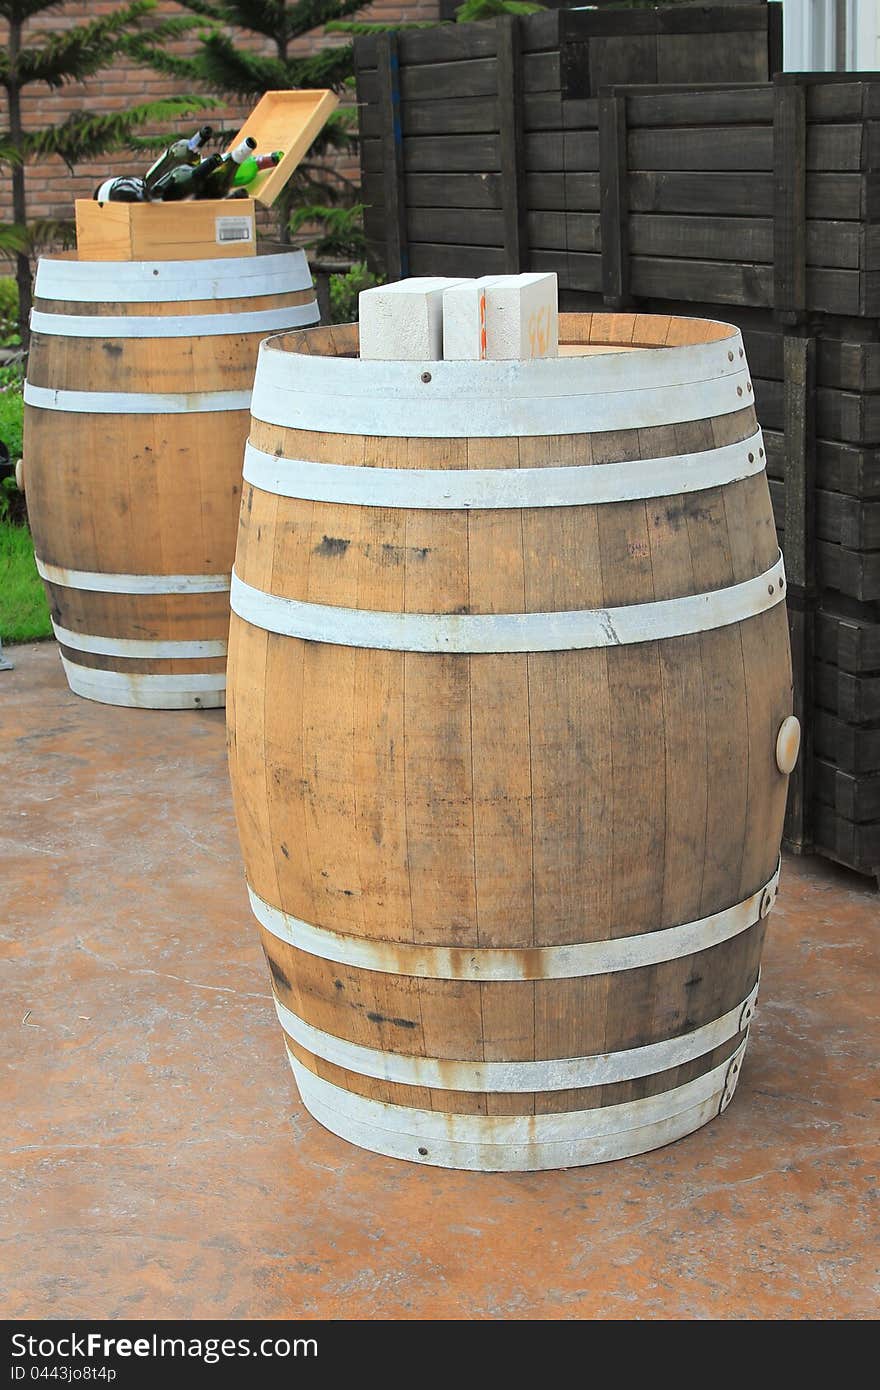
(463, 321)
(403, 322)
(522, 316)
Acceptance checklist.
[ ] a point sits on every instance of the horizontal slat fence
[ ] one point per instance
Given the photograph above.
(581, 150)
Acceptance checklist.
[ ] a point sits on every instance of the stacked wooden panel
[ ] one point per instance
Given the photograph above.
(756, 201)
(478, 139)
(760, 201)
(520, 149)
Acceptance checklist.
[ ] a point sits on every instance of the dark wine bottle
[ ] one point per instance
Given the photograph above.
(186, 181)
(181, 152)
(124, 189)
(222, 177)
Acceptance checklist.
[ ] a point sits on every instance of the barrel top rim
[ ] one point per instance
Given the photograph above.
(328, 342)
(243, 266)
(612, 332)
(313, 379)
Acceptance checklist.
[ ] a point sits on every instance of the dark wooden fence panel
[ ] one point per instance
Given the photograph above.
(567, 142)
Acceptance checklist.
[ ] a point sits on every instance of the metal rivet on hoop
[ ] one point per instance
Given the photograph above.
(769, 588)
(730, 357)
(426, 376)
(751, 458)
(766, 903)
(749, 385)
(739, 390)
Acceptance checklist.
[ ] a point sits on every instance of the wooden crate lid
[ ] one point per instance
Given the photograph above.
(287, 121)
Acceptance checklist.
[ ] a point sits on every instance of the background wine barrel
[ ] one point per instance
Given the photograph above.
(136, 414)
(508, 668)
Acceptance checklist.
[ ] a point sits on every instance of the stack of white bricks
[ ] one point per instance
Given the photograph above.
(498, 317)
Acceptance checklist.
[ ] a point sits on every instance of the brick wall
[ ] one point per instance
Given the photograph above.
(51, 186)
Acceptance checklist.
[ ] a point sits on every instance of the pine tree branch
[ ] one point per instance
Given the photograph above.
(329, 67)
(266, 17)
(225, 67)
(23, 10)
(12, 238)
(142, 50)
(84, 136)
(73, 54)
(474, 10)
(275, 19)
(341, 229)
(50, 231)
(315, 14)
(365, 26)
(9, 153)
(207, 10)
(338, 134)
(142, 44)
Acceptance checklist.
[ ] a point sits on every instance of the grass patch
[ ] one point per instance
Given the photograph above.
(24, 612)
(11, 410)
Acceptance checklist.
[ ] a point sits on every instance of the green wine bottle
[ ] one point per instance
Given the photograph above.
(255, 164)
(182, 152)
(186, 181)
(222, 176)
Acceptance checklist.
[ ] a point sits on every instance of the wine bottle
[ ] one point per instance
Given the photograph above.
(181, 152)
(186, 181)
(222, 176)
(124, 189)
(255, 164)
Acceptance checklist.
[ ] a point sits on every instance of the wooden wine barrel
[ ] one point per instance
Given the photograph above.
(510, 721)
(136, 415)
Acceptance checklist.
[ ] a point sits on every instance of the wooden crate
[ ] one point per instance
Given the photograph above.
(206, 229)
(210, 228)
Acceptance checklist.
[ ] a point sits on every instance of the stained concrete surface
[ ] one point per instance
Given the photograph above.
(159, 1162)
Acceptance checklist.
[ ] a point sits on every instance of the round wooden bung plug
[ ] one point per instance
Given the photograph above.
(788, 744)
(19, 474)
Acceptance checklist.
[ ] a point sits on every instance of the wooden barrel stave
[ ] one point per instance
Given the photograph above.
(631, 684)
(439, 801)
(473, 1020)
(151, 617)
(134, 475)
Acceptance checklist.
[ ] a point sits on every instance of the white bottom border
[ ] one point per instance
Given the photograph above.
(519, 1143)
(205, 691)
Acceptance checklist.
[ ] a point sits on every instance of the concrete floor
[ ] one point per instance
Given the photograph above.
(160, 1164)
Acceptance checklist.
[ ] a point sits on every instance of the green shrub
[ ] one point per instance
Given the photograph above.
(11, 409)
(12, 503)
(344, 291)
(8, 312)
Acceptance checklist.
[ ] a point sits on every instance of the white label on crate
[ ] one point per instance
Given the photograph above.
(233, 229)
